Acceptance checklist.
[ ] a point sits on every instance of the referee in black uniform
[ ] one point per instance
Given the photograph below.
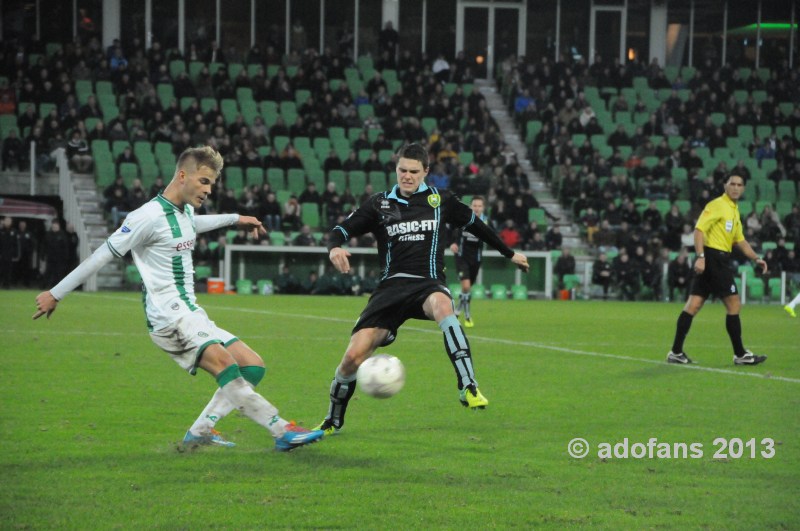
(468, 249)
(718, 230)
(408, 223)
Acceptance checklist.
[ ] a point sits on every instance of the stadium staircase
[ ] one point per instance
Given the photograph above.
(90, 204)
(568, 227)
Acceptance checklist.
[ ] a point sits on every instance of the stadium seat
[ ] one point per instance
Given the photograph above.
(276, 178)
(755, 288)
(309, 214)
(264, 287)
(572, 282)
(254, 177)
(774, 285)
(455, 289)
(478, 291)
(244, 287)
(132, 276)
(202, 272)
(519, 292)
(277, 238)
(499, 292)
(234, 178)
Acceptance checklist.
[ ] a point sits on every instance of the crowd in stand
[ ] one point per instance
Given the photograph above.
(607, 203)
(463, 124)
(614, 193)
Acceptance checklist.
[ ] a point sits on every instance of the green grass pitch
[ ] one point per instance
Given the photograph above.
(93, 411)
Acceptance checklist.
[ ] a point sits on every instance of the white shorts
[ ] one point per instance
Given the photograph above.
(187, 338)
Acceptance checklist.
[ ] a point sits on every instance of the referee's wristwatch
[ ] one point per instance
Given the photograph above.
(701, 255)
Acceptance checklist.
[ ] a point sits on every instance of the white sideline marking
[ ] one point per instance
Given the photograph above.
(532, 344)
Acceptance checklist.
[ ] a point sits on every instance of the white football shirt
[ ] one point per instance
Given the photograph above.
(161, 237)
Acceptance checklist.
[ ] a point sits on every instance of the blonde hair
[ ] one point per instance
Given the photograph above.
(201, 156)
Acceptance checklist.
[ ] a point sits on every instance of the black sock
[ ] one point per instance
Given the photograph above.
(734, 327)
(342, 390)
(681, 331)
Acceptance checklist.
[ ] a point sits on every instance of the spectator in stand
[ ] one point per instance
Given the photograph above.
(78, 154)
(332, 162)
(626, 275)
(13, 156)
(311, 195)
(291, 214)
(271, 212)
(565, 265)
(510, 234)
(679, 273)
(227, 202)
(553, 238)
(305, 238)
(57, 249)
(650, 270)
(602, 273)
(10, 252)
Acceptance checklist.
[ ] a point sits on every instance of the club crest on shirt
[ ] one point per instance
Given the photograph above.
(434, 200)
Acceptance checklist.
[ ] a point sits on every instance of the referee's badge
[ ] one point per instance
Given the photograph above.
(729, 225)
(434, 200)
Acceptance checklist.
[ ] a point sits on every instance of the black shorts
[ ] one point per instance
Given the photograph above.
(717, 278)
(467, 268)
(395, 301)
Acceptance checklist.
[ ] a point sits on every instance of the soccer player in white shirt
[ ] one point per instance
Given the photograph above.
(161, 235)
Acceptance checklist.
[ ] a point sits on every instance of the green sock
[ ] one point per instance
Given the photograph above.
(228, 374)
(253, 374)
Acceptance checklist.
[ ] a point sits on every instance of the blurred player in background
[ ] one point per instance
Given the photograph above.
(468, 249)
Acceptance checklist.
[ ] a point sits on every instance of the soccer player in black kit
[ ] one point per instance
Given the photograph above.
(408, 223)
(468, 249)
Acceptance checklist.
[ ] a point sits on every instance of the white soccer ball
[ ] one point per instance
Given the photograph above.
(381, 376)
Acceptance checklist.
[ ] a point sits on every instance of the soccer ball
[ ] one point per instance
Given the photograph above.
(381, 376)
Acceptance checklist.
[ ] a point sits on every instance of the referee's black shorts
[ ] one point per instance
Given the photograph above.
(395, 301)
(467, 268)
(717, 278)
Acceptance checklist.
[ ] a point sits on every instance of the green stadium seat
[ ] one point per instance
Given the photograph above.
(276, 178)
(277, 237)
(755, 287)
(132, 276)
(129, 171)
(357, 180)
(499, 292)
(254, 177)
(234, 178)
(774, 286)
(519, 292)
(296, 180)
(478, 291)
(572, 282)
(202, 272)
(244, 287)
(264, 286)
(309, 214)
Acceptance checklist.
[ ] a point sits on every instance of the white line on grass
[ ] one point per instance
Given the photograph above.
(515, 343)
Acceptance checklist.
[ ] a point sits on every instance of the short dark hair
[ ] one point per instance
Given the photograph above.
(479, 198)
(739, 175)
(414, 151)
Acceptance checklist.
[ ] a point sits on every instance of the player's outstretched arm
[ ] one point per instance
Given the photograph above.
(521, 261)
(339, 259)
(45, 304)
